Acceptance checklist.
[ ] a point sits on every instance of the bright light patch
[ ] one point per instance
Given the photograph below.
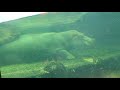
(7, 16)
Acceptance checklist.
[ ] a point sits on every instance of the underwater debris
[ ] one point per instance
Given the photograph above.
(55, 69)
(0, 75)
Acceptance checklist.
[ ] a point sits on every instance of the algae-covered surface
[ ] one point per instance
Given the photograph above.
(61, 45)
(36, 70)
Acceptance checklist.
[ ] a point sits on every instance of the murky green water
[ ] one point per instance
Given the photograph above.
(61, 45)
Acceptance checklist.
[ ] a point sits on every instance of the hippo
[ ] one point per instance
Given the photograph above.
(8, 33)
(43, 46)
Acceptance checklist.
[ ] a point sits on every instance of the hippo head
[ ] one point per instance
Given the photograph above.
(76, 39)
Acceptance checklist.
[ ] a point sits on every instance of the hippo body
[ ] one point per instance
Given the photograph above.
(45, 46)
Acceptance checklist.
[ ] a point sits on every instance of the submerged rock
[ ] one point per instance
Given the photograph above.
(55, 70)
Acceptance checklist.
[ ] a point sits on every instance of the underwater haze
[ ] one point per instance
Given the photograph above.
(61, 45)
